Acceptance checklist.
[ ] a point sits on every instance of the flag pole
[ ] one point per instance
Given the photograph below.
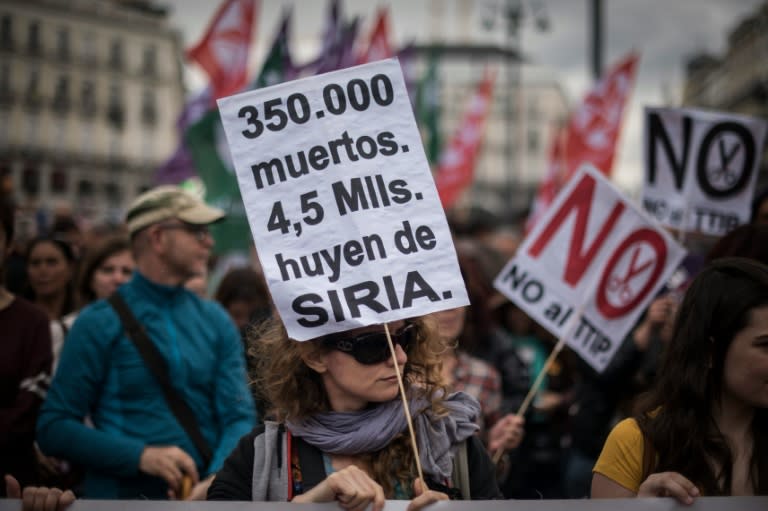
(406, 409)
(544, 370)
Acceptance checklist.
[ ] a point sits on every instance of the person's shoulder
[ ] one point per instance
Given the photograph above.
(95, 310)
(210, 309)
(97, 316)
(627, 428)
(246, 446)
(621, 458)
(625, 440)
(23, 308)
(208, 304)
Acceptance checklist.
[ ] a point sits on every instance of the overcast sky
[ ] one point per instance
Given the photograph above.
(665, 32)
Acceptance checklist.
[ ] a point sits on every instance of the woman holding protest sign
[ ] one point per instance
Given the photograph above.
(340, 431)
(703, 430)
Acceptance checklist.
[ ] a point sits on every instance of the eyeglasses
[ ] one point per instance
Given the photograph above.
(200, 232)
(372, 348)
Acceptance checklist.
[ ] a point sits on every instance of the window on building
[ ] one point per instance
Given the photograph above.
(115, 113)
(6, 32)
(61, 95)
(6, 179)
(30, 180)
(58, 181)
(88, 98)
(148, 108)
(6, 94)
(84, 188)
(4, 128)
(112, 191)
(32, 98)
(62, 43)
(149, 63)
(33, 38)
(116, 54)
(89, 48)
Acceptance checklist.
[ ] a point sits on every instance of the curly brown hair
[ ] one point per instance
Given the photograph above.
(294, 391)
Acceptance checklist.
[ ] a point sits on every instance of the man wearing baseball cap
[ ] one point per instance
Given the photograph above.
(139, 447)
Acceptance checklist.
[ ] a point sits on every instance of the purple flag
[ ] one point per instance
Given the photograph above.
(337, 51)
(180, 165)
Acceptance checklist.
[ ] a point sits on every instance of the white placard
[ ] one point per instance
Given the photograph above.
(593, 253)
(341, 202)
(701, 168)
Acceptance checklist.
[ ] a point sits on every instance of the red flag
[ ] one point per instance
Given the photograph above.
(457, 163)
(223, 51)
(594, 128)
(378, 45)
(552, 183)
(590, 136)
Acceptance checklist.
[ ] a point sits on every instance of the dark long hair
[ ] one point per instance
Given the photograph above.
(677, 415)
(94, 258)
(748, 240)
(71, 259)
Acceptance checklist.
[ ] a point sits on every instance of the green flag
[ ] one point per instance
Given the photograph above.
(428, 110)
(210, 154)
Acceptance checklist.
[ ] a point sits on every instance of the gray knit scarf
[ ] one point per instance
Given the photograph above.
(374, 428)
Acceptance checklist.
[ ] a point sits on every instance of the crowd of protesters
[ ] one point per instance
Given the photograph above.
(680, 411)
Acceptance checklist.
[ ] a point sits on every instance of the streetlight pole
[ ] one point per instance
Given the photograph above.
(597, 38)
(513, 17)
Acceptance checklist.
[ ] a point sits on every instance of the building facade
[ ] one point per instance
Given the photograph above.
(528, 103)
(736, 81)
(89, 95)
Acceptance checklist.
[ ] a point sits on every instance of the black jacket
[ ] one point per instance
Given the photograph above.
(234, 480)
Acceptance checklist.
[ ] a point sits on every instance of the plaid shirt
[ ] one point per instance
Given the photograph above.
(481, 381)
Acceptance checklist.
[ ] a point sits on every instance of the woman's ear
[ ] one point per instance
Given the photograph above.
(315, 360)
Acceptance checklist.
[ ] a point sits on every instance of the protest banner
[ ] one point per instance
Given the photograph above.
(590, 135)
(342, 206)
(701, 168)
(643, 504)
(594, 261)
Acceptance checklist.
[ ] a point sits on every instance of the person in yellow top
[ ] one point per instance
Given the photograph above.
(703, 429)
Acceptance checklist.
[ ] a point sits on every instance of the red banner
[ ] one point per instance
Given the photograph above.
(457, 164)
(590, 136)
(594, 128)
(223, 51)
(378, 44)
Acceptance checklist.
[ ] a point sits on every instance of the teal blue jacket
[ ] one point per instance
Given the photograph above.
(102, 376)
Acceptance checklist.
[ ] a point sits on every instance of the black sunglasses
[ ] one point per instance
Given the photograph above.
(372, 348)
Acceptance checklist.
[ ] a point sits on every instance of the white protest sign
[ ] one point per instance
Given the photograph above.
(341, 202)
(701, 168)
(595, 253)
